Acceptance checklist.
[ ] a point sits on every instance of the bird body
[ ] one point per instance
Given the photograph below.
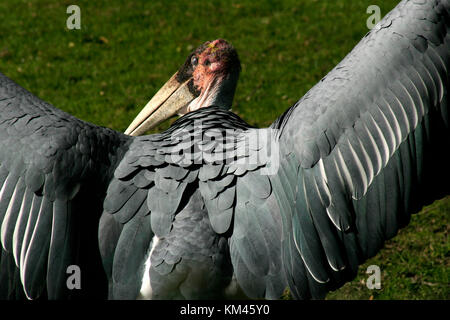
(213, 202)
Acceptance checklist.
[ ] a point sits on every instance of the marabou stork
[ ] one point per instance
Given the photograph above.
(200, 210)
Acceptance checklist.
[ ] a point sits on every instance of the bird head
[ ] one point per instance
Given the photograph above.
(207, 78)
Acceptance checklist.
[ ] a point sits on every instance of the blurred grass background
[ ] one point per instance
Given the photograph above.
(125, 50)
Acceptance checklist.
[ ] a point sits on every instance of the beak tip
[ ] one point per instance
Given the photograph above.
(131, 128)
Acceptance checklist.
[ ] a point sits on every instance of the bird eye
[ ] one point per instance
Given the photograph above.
(194, 61)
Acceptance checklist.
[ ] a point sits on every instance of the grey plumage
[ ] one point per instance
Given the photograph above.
(357, 155)
(51, 185)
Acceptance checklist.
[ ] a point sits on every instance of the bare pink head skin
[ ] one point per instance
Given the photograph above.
(215, 72)
(207, 78)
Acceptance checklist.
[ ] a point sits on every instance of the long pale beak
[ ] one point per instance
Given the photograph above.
(165, 103)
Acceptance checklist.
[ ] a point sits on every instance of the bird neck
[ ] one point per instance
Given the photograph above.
(224, 91)
(219, 93)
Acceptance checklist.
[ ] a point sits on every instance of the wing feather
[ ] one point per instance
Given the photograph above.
(9, 221)
(50, 163)
(380, 121)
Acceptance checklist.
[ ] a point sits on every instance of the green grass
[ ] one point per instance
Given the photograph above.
(105, 72)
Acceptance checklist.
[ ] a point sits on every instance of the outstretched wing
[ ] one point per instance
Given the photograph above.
(365, 148)
(54, 171)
